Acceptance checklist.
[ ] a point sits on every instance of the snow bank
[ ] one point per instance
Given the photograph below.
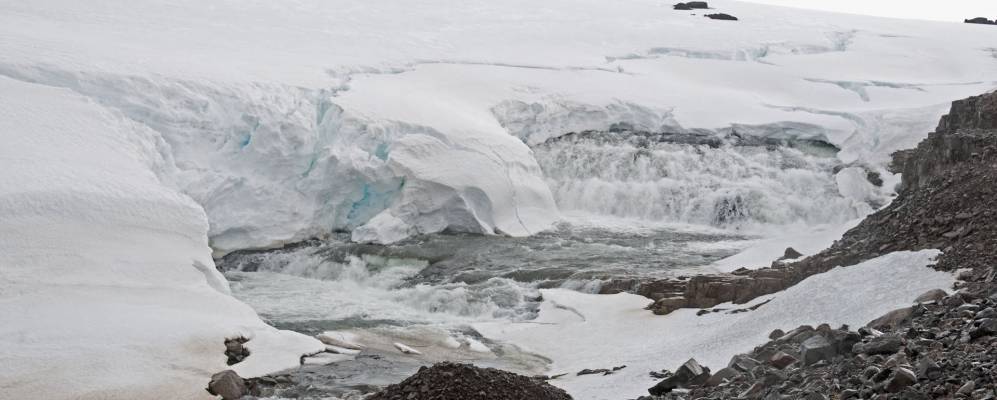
(107, 286)
(579, 331)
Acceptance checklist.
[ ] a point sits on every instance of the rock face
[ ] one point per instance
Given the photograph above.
(450, 381)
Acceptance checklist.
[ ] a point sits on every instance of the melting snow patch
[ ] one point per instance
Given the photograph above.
(617, 330)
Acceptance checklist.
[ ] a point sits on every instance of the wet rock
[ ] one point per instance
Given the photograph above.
(228, 384)
(815, 349)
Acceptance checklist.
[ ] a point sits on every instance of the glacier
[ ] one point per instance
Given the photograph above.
(141, 138)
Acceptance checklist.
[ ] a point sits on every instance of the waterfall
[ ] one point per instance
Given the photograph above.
(695, 179)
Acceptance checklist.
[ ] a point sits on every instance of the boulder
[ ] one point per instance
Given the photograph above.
(980, 20)
(901, 378)
(722, 375)
(892, 319)
(790, 254)
(722, 17)
(886, 344)
(815, 349)
(782, 360)
(933, 295)
(228, 384)
(689, 374)
(743, 363)
(692, 5)
(928, 369)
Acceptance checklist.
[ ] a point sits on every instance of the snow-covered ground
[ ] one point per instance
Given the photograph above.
(138, 133)
(394, 117)
(581, 331)
(107, 286)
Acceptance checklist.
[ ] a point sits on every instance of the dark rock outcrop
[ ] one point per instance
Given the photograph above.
(981, 20)
(451, 381)
(692, 5)
(721, 17)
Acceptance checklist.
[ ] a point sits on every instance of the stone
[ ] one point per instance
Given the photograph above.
(722, 375)
(980, 20)
(721, 17)
(933, 295)
(967, 389)
(901, 378)
(692, 5)
(228, 384)
(776, 334)
(892, 319)
(985, 327)
(781, 360)
(928, 369)
(988, 312)
(790, 254)
(753, 392)
(689, 374)
(743, 363)
(886, 344)
(815, 349)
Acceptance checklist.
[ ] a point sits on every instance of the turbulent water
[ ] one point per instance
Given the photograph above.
(635, 205)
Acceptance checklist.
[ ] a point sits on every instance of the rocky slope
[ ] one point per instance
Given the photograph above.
(942, 347)
(944, 203)
(450, 381)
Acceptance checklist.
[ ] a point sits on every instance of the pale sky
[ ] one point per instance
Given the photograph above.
(945, 10)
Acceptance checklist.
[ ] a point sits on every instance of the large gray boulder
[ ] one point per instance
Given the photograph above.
(228, 384)
(886, 344)
(815, 349)
(892, 319)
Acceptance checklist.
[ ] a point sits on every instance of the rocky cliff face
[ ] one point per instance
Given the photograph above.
(946, 201)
